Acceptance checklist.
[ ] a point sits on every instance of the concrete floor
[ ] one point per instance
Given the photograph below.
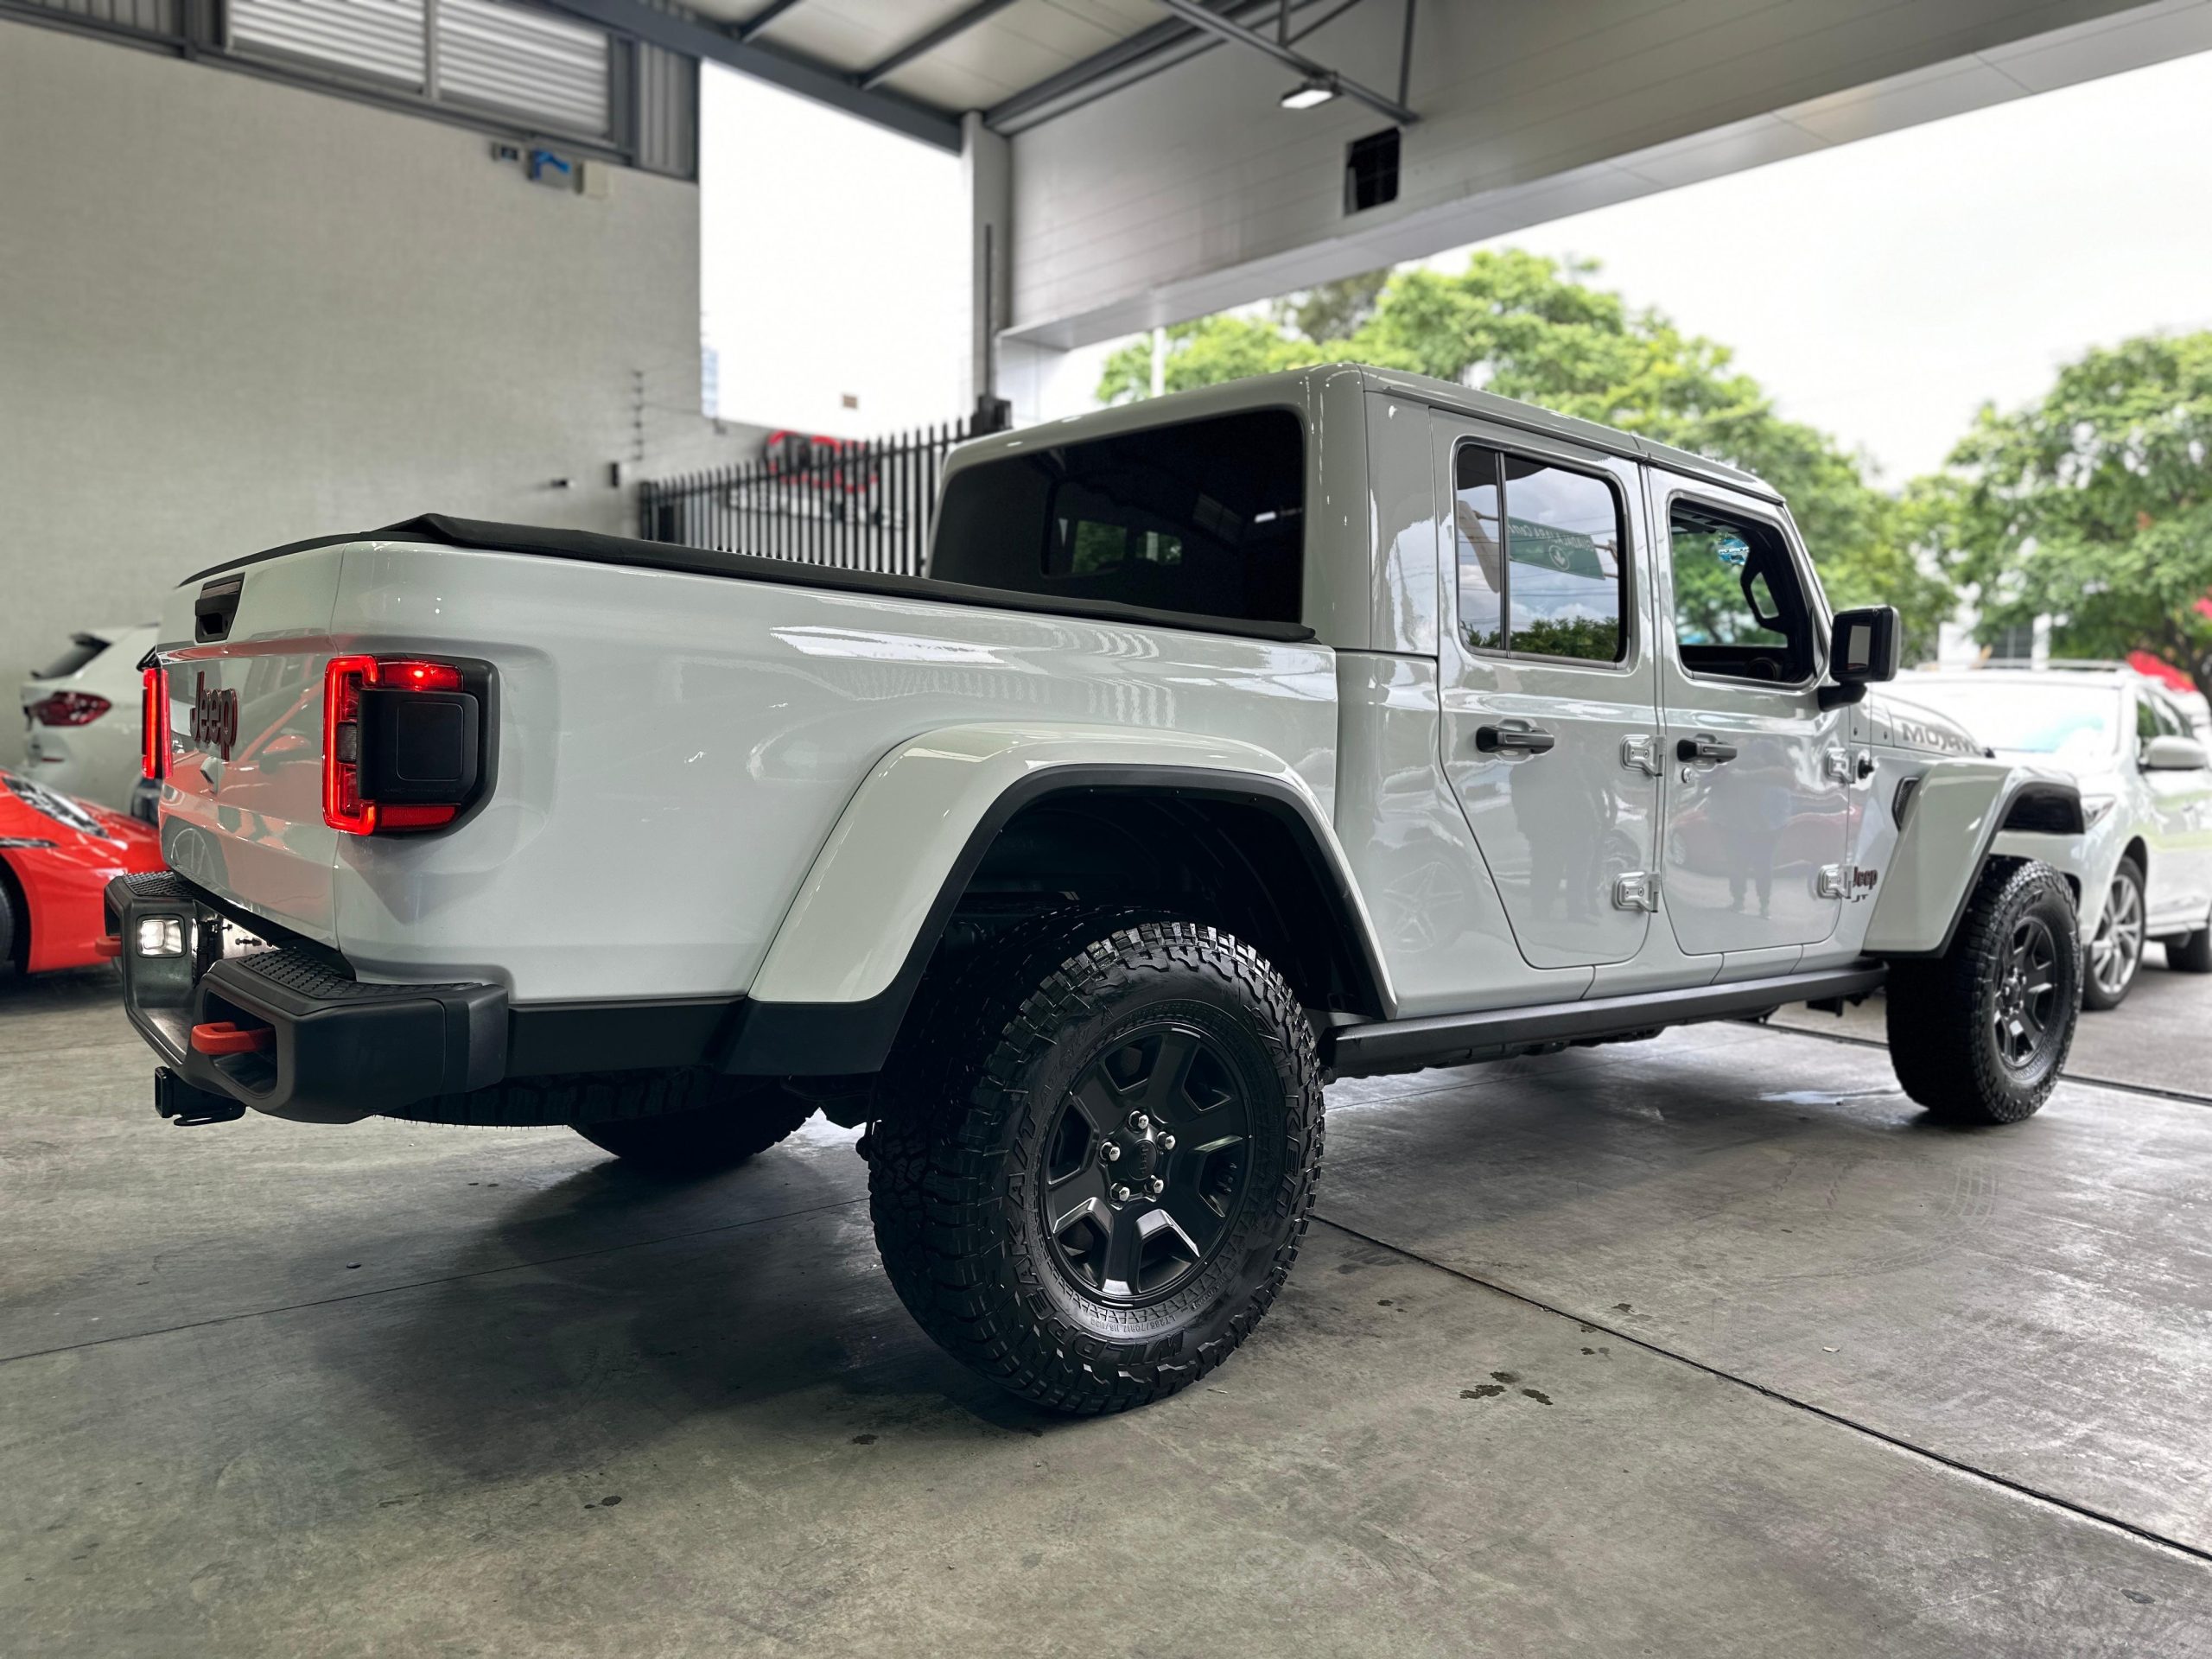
(1704, 1346)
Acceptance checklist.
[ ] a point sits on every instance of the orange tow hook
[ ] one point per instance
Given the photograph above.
(227, 1037)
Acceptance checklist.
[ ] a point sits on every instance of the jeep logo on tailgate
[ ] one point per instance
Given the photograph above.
(214, 716)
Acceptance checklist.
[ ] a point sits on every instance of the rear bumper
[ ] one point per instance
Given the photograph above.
(339, 1050)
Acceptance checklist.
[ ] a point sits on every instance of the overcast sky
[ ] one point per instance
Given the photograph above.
(1880, 290)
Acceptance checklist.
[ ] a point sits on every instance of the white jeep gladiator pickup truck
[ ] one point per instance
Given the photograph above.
(1324, 724)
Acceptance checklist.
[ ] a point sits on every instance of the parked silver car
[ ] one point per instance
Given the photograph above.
(2146, 788)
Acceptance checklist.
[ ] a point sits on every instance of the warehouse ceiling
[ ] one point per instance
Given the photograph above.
(916, 66)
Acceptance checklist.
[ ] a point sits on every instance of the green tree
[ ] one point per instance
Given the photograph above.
(2095, 505)
(1535, 328)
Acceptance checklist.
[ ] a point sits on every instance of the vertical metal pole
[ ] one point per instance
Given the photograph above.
(1405, 54)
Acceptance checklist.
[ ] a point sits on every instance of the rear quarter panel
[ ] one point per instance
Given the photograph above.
(671, 751)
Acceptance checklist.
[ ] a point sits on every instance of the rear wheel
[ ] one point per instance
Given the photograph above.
(747, 1118)
(2116, 948)
(2190, 953)
(1980, 1034)
(1094, 1161)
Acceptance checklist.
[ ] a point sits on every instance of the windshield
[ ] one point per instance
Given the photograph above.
(2028, 717)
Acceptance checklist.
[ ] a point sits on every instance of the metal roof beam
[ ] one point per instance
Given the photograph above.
(1191, 12)
(907, 116)
(761, 19)
(1165, 45)
(959, 23)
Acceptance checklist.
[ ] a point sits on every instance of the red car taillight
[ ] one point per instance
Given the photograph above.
(154, 720)
(69, 708)
(399, 744)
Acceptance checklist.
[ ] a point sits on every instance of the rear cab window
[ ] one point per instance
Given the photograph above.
(1204, 518)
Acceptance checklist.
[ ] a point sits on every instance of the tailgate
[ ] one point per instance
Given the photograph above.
(242, 805)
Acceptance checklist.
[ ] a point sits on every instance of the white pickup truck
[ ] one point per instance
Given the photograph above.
(1324, 724)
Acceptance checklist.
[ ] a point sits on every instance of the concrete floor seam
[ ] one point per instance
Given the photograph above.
(2204, 1557)
(420, 1284)
(2176, 1095)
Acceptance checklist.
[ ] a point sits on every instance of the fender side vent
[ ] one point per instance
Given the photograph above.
(1900, 803)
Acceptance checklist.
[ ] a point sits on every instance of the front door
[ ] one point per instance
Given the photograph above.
(1547, 686)
(1758, 802)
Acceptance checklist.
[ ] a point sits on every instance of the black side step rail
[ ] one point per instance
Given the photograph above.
(1385, 1045)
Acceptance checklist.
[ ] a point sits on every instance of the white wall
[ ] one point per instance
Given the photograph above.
(1193, 191)
(234, 314)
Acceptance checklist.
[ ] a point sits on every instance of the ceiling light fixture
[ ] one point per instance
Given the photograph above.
(1312, 91)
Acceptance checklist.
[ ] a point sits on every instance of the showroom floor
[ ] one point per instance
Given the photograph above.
(1704, 1346)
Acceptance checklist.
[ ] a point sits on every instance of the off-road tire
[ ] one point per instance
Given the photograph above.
(1944, 1013)
(2094, 996)
(957, 1151)
(750, 1117)
(2190, 953)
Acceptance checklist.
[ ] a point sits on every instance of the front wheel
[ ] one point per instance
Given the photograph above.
(1092, 1166)
(2116, 948)
(1978, 1035)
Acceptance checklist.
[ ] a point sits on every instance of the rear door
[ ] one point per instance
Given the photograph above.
(1756, 802)
(1547, 686)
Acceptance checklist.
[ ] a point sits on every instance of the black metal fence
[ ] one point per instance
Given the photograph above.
(862, 503)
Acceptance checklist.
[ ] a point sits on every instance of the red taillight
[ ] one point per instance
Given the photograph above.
(154, 720)
(348, 804)
(69, 708)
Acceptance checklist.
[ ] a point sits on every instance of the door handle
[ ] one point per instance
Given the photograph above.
(1514, 739)
(1702, 747)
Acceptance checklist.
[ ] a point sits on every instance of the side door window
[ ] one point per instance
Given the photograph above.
(1740, 610)
(1544, 684)
(1540, 558)
(1756, 810)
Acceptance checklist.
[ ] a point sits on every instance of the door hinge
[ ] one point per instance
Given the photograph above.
(1836, 881)
(1637, 890)
(1641, 753)
(1837, 763)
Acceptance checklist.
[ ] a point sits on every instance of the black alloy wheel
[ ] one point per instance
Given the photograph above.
(1146, 1164)
(2025, 1011)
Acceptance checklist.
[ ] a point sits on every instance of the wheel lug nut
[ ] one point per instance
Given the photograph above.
(1109, 1152)
(1139, 1122)
(1159, 1186)
(1168, 1143)
(1121, 1194)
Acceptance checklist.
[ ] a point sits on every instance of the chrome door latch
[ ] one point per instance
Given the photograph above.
(1641, 753)
(1637, 890)
(1836, 763)
(1836, 881)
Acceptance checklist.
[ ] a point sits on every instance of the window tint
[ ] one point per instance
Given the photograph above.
(1739, 609)
(1538, 558)
(1205, 517)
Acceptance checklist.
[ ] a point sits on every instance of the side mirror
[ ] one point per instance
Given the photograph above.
(1863, 648)
(2175, 754)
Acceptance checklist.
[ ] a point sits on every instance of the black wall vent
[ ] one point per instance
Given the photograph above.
(1371, 170)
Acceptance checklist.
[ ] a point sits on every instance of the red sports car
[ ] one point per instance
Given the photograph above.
(57, 854)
